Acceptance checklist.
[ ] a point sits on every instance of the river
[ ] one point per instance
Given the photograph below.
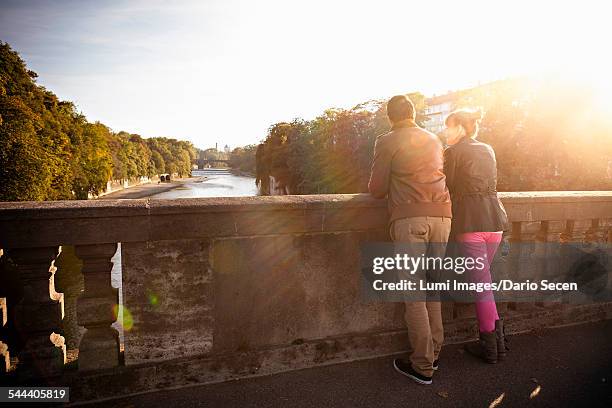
(218, 183)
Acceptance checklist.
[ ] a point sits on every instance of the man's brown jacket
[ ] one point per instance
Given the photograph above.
(408, 168)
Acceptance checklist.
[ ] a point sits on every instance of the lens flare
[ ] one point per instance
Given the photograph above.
(124, 317)
(153, 298)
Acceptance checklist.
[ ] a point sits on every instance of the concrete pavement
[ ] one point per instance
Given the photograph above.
(561, 367)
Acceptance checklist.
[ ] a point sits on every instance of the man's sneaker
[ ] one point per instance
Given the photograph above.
(407, 370)
(435, 365)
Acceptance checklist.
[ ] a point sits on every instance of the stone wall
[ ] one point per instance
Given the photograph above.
(117, 185)
(168, 292)
(230, 287)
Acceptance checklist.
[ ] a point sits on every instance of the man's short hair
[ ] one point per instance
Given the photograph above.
(400, 107)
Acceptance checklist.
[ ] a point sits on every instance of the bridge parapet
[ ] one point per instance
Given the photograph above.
(220, 288)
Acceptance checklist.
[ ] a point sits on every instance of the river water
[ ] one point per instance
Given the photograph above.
(208, 183)
(218, 183)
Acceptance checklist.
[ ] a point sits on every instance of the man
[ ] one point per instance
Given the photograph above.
(408, 169)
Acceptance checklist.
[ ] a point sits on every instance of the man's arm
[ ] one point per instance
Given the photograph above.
(378, 186)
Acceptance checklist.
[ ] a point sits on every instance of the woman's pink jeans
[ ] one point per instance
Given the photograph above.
(482, 244)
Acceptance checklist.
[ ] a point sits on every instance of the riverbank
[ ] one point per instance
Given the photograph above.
(150, 189)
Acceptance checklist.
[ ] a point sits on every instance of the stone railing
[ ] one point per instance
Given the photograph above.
(226, 287)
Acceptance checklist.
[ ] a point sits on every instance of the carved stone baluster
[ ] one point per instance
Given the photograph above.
(606, 224)
(5, 360)
(597, 232)
(549, 255)
(522, 267)
(575, 240)
(597, 240)
(576, 235)
(99, 347)
(513, 257)
(39, 314)
(576, 231)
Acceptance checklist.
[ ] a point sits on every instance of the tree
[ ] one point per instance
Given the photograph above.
(330, 154)
(159, 166)
(48, 150)
(547, 135)
(24, 174)
(243, 158)
(93, 166)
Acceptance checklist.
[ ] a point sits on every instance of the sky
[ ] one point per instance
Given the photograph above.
(224, 71)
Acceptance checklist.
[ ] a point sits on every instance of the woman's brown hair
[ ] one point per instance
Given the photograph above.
(469, 119)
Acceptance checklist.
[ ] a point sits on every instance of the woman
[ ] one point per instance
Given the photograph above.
(479, 219)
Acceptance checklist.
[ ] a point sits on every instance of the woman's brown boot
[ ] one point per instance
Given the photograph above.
(500, 335)
(485, 348)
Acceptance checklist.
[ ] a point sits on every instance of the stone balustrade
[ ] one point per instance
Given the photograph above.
(219, 288)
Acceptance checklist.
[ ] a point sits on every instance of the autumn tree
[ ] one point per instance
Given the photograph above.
(49, 151)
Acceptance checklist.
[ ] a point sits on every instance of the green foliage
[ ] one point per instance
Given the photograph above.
(330, 154)
(22, 153)
(547, 136)
(94, 163)
(243, 158)
(48, 151)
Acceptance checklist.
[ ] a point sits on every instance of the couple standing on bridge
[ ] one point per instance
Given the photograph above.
(420, 180)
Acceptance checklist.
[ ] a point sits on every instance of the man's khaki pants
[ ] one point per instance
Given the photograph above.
(424, 319)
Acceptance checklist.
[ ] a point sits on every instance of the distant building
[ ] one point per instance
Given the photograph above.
(438, 108)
